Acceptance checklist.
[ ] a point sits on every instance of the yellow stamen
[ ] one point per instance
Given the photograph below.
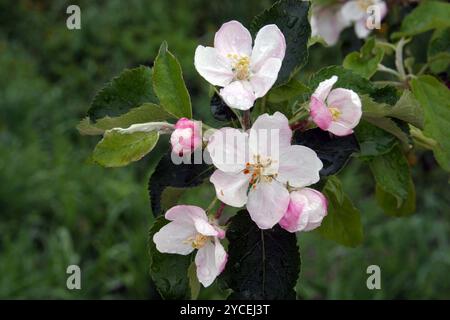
(241, 66)
(198, 241)
(335, 113)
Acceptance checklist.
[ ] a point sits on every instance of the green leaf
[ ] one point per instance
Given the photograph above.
(439, 51)
(373, 141)
(333, 151)
(291, 16)
(434, 97)
(343, 222)
(394, 186)
(148, 112)
(194, 284)
(168, 174)
(129, 90)
(290, 90)
(365, 62)
(427, 16)
(169, 85)
(168, 271)
(407, 109)
(390, 126)
(119, 149)
(262, 264)
(346, 79)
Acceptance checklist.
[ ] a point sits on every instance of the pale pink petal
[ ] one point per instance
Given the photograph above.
(320, 114)
(267, 203)
(352, 11)
(299, 166)
(205, 228)
(238, 95)
(383, 8)
(228, 149)
(186, 214)
(231, 188)
(324, 88)
(212, 66)
(269, 43)
(210, 261)
(307, 208)
(172, 238)
(361, 29)
(339, 129)
(349, 104)
(233, 38)
(269, 135)
(264, 79)
(327, 22)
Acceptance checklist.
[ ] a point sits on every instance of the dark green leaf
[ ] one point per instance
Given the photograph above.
(434, 97)
(220, 110)
(394, 186)
(168, 271)
(332, 150)
(169, 85)
(365, 62)
(168, 174)
(291, 16)
(129, 90)
(343, 222)
(427, 16)
(262, 264)
(194, 284)
(119, 149)
(290, 90)
(373, 141)
(439, 51)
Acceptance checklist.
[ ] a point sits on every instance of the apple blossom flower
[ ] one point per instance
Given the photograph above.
(356, 11)
(256, 171)
(186, 137)
(327, 22)
(306, 210)
(188, 230)
(243, 72)
(337, 111)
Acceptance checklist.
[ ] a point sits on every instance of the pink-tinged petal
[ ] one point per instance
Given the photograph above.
(361, 29)
(327, 22)
(231, 188)
(186, 214)
(307, 208)
(233, 38)
(339, 129)
(212, 66)
(349, 105)
(238, 95)
(269, 135)
(267, 203)
(324, 88)
(269, 43)
(264, 79)
(299, 166)
(205, 228)
(383, 8)
(228, 149)
(172, 238)
(320, 114)
(352, 11)
(210, 261)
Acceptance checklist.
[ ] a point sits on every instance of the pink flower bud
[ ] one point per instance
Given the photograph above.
(186, 137)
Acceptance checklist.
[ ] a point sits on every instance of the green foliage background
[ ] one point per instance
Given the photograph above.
(57, 208)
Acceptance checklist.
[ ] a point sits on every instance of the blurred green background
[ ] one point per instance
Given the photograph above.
(57, 208)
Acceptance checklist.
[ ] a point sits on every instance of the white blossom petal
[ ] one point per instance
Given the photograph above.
(233, 38)
(264, 79)
(269, 43)
(267, 203)
(210, 261)
(231, 188)
(238, 95)
(212, 66)
(172, 238)
(324, 88)
(299, 166)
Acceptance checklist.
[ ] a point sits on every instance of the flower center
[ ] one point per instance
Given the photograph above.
(198, 241)
(257, 168)
(335, 113)
(240, 66)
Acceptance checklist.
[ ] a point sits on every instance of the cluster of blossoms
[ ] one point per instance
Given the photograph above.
(328, 21)
(256, 167)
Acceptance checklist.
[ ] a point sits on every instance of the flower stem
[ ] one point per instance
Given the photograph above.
(246, 120)
(219, 210)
